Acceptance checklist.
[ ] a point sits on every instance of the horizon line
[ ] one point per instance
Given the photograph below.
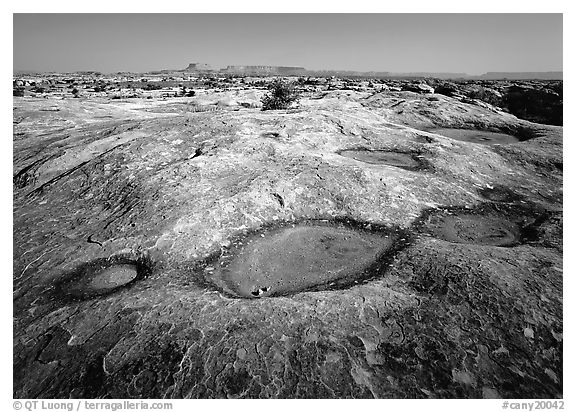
(301, 68)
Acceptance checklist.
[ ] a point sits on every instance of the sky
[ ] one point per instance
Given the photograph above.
(457, 43)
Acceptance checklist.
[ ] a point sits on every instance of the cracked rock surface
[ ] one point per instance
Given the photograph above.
(153, 182)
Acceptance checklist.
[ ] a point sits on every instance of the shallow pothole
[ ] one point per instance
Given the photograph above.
(102, 276)
(500, 194)
(311, 255)
(113, 277)
(489, 224)
(420, 138)
(480, 230)
(476, 136)
(271, 135)
(403, 160)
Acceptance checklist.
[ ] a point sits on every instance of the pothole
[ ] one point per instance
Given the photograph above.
(558, 165)
(500, 194)
(102, 276)
(481, 230)
(113, 277)
(309, 255)
(488, 225)
(476, 136)
(272, 135)
(420, 138)
(403, 160)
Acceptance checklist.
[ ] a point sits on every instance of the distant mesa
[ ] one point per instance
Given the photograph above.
(301, 71)
(255, 70)
(418, 75)
(269, 70)
(198, 67)
(260, 70)
(522, 76)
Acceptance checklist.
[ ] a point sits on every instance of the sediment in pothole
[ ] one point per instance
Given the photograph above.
(487, 224)
(310, 255)
(420, 138)
(476, 136)
(470, 228)
(402, 160)
(500, 194)
(101, 277)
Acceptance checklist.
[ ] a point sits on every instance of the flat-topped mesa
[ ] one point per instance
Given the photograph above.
(198, 67)
(280, 70)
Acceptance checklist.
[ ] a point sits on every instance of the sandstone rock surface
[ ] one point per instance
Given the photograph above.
(168, 190)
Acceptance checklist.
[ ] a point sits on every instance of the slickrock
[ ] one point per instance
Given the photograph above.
(163, 192)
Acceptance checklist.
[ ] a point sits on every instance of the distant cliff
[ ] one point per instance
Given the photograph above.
(198, 67)
(301, 71)
(271, 70)
(521, 76)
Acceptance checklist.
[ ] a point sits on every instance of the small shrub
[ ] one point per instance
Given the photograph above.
(152, 86)
(187, 93)
(282, 95)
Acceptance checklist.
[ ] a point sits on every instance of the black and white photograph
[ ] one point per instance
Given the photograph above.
(280, 205)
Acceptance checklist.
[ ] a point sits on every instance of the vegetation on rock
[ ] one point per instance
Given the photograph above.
(282, 95)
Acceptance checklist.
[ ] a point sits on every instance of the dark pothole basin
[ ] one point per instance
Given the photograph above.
(476, 136)
(489, 224)
(500, 194)
(420, 138)
(102, 276)
(113, 277)
(480, 230)
(403, 160)
(473, 227)
(310, 255)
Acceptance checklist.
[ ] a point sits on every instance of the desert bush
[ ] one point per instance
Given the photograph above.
(152, 86)
(184, 92)
(282, 95)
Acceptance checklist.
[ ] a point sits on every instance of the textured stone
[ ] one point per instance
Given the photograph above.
(155, 182)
